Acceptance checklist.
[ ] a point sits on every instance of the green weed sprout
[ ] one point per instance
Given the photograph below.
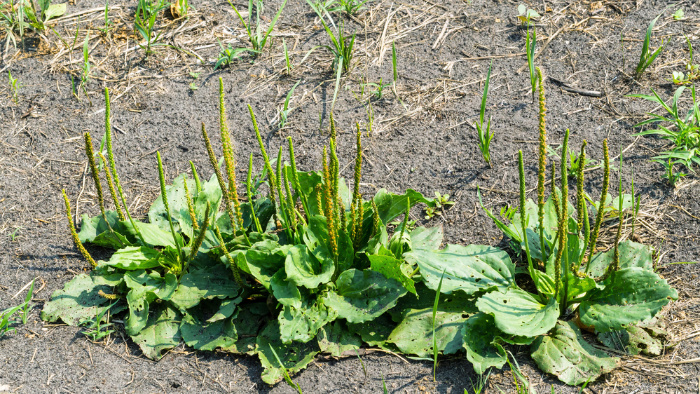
(285, 107)
(530, 44)
(180, 8)
(14, 86)
(692, 70)
(647, 57)
(350, 7)
(683, 131)
(485, 135)
(108, 24)
(228, 55)
(6, 320)
(342, 45)
(99, 327)
(377, 88)
(257, 38)
(287, 63)
(85, 75)
(526, 15)
(670, 175)
(26, 307)
(145, 20)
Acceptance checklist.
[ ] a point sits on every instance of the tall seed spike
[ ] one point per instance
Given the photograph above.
(353, 225)
(565, 178)
(197, 182)
(200, 238)
(290, 201)
(295, 177)
(376, 220)
(110, 154)
(555, 194)
(266, 159)
(74, 234)
(95, 175)
(232, 263)
(190, 207)
(341, 209)
(356, 196)
(601, 204)
(283, 208)
(329, 203)
(219, 177)
(164, 195)
(326, 184)
(318, 190)
(580, 199)
(523, 216)
(621, 217)
(110, 183)
(229, 158)
(249, 194)
(335, 176)
(541, 174)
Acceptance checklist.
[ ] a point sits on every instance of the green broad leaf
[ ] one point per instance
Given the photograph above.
(285, 291)
(305, 269)
(152, 233)
(161, 332)
(307, 183)
(95, 230)
(139, 300)
(80, 299)
(398, 244)
(294, 357)
(414, 335)
(578, 286)
(395, 269)
(468, 268)
(262, 260)
(630, 295)
(202, 284)
(632, 340)
(363, 295)
(632, 254)
(374, 332)
(392, 205)
(226, 309)
(517, 312)
(335, 338)
(163, 288)
(346, 252)
(208, 336)
(317, 238)
(54, 11)
(133, 258)
(456, 302)
(427, 238)
(248, 320)
(480, 341)
(567, 355)
(302, 324)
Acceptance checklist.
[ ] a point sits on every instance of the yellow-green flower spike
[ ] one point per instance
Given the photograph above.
(232, 262)
(110, 183)
(376, 220)
(341, 210)
(110, 154)
(542, 159)
(555, 195)
(295, 177)
(290, 202)
(74, 234)
(95, 175)
(219, 176)
(200, 238)
(329, 203)
(249, 193)
(621, 217)
(229, 159)
(197, 182)
(266, 159)
(190, 207)
(164, 195)
(356, 196)
(601, 204)
(523, 216)
(565, 178)
(335, 175)
(580, 198)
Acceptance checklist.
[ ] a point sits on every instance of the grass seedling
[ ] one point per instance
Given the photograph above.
(530, 44)
(342, 44)
(350, 7)
(480, 384)
(25, 307)
(228, 55)
(255, 32)
(180, 8)
(574, 160)
(287, 63)
(377, 88)
(193, 85)
(287, 378)
(485, 135)
(684, 130)
(442, 202)
(670, 175)
(14, 86)
(647, 57)
(522, 384)
(384, 386)
(285, 108)
(435, 306)
(393, 62)
(6, 320)
(85, 75)
(108, 23)
(144, 23)
(96, 329)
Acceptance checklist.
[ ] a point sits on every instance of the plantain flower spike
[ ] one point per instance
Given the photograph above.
(110, 154)
(376, 220)
(74, 234)
(190, 207)
(249, 193)
(356, 196)
(229, 159)
(542, 158)
(197, 182)
(555, 195)
(523, 218)
(601, 206)
(580, 199)
(232, 263)
(200, 237)
(95, 175)
(329, 203)
(266, 159)
(295, 177)
(110, 182)
(219, 175)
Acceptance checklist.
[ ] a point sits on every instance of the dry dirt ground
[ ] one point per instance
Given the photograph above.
(423, 141)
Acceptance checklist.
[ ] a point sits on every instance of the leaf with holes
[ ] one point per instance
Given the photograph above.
(202, 335)
(202, 284)
(336, 339)
(306, 269)
(480, 341)
(363, 295)
(301, 324)
(566, 354)
(393, 268)
(294, 356)
(414, 335)
(468, 268)
(632, 340)
(630, 295)
(162, 332)
(632, 254)
(133, 258)
(517, 312)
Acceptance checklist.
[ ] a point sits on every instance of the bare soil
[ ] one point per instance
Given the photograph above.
(424, 141)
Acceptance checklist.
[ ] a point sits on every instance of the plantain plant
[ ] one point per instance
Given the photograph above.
(569, 285)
